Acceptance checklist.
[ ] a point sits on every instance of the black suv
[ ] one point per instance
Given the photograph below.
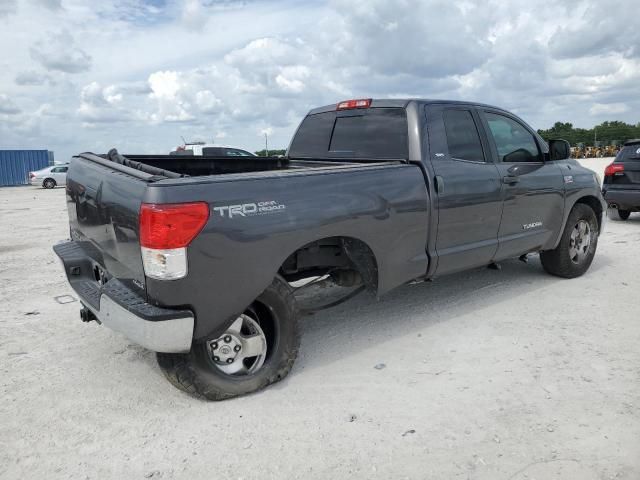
(621, 188)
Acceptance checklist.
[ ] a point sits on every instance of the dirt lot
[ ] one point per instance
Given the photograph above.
(509, 374)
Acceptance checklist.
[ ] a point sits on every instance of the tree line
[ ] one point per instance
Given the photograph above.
(272, 153)
(607, 133)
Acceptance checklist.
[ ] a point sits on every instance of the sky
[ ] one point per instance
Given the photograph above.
(140, 74)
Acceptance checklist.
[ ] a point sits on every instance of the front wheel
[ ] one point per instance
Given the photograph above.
(574, 254)
(257, 349)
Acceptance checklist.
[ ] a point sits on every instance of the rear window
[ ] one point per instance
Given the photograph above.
(629, 152)
(375, 133)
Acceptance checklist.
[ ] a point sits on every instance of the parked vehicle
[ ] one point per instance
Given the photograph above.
(621, 187)
(194, 257)
(49, 177)
(210, 150)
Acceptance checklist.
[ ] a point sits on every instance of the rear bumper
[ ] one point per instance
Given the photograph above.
(623, 199)
(122, 309)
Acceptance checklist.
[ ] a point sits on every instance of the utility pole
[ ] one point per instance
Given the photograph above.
(595, 135)
(266, 145)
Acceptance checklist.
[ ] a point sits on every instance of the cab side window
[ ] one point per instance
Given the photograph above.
(463, 139)
(513, 141)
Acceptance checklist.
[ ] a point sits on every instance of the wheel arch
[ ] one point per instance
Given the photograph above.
(329, 253)
(592, 202)
(596, 206)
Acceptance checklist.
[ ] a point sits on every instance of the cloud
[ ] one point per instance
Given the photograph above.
(164, 85)
(207, 102)
(8, 106)
(167, 89)
(267, 51)
(193, 15)
(59, 52)
(101, 104)
(7, 7)
(608, 109)
(154, 70)
(45, 110)
(292, 78)
(430, 39)
(600, 29)
(53, 5)
(32, 78)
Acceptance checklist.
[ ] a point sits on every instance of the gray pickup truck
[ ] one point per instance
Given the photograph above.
(195, 257)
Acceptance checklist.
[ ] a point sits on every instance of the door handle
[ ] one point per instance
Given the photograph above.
(439, 181)
(510, 180)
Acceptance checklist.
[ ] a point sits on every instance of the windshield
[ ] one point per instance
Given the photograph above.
(376, 133)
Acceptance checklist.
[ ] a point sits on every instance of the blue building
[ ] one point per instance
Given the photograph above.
(15, 165)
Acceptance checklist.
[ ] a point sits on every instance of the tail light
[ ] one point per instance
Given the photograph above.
(349, 104)
(165, 232)
(32, 175)
(613, 168)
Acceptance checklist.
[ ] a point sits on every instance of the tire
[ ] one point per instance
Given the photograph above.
(196, 372)
(617, 214)
(49, 183)
(560, 261)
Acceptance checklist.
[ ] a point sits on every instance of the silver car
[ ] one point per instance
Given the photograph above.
(49, 177)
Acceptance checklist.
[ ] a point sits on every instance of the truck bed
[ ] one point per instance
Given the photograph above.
(172, 166)
(105, 194)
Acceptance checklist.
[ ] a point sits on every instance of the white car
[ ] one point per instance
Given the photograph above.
(49, 177)
(209, 149)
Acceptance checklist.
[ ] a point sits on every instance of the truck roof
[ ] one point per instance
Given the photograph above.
(403, 102)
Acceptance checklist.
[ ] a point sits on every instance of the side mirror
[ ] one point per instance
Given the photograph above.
(559, 150)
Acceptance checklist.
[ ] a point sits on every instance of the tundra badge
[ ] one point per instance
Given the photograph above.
(529, 226)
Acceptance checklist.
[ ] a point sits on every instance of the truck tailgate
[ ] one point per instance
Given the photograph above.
(103, 207)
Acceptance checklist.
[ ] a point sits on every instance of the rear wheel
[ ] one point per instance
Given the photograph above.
(49, 183)
(258, 348)
(617, 214)
(574, 254)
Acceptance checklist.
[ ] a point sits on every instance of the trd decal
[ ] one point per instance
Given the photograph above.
(250, 209)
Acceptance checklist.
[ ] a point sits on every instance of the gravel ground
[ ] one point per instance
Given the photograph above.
(509, 374)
